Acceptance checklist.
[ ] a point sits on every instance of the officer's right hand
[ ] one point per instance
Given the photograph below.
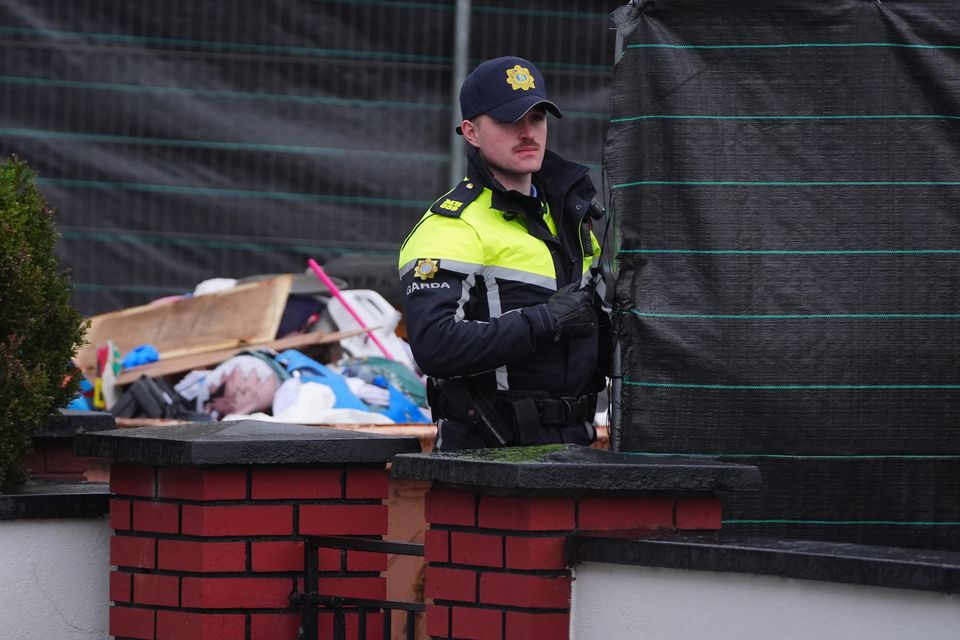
(572, 312)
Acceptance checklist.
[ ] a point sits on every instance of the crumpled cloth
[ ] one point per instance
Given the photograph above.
(311, 403)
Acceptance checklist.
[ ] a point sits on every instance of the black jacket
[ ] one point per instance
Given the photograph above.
(477, 269)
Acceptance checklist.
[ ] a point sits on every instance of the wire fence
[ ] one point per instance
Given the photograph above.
(186, 140)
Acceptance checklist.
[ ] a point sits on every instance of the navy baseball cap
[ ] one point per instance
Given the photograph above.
(504, 89)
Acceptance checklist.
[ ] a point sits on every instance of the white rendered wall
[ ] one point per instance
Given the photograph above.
(54, 579)
(617, 602)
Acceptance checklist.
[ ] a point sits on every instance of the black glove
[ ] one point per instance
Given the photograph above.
(571, 309)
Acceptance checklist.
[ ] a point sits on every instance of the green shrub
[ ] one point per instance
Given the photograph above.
(39, 329)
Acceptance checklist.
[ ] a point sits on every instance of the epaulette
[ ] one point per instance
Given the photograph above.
(456, 200)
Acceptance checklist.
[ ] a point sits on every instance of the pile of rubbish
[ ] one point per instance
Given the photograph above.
(298, 348)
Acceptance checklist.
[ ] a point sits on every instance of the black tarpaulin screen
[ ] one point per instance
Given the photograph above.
(786, 175)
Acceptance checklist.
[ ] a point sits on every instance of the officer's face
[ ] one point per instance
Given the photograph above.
(512, 148)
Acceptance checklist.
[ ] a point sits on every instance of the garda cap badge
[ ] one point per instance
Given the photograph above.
(519, 78)
(426, 269)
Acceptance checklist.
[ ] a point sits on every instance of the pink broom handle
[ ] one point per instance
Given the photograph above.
(325, 279)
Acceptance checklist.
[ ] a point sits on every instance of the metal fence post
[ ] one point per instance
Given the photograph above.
(461, 60)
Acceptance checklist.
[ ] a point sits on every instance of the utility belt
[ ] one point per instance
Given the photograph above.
(506, 418)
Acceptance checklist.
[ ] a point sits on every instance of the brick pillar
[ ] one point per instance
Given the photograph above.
(213, 552)
(495, 547)
(496, 564)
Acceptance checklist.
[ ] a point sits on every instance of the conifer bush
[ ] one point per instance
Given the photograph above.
(40, 330)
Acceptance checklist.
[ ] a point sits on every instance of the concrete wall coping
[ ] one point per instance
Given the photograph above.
(573, 468)
(37, 500)
(246, 442)
(68, 423)
(868, 565)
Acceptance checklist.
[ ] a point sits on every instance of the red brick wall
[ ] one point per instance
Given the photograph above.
(53, 460)
(214, 554)
(496, 569)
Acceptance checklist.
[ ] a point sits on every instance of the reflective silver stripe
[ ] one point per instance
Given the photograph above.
(601, 288)
(495, 309)
(515, 275)
(493, 296)
(491, 276)
(585, 279)
(466, 286)
(489, 272)
(407, 267)
(459, 267)
(450, 265)
(502, 383)
(592, 273)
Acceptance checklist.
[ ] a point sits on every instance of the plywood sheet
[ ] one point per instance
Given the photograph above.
(244, 315)
(209, 359)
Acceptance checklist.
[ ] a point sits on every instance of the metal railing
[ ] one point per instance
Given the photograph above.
(311, 601)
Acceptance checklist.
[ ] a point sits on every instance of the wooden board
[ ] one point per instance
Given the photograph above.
(243, 315)
(208, 359)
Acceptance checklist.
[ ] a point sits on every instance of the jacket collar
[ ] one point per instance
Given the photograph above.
(555, 177)
(511, 201)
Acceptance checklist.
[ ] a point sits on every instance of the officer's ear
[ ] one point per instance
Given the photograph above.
(469, 130)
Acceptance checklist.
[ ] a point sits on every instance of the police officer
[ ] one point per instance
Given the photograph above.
(500, 278)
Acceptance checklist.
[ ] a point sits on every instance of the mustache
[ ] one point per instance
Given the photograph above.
(527, 146)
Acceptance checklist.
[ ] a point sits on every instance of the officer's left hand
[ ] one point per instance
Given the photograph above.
(573, 314)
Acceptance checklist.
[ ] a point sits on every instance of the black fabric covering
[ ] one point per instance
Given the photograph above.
(786, 177)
